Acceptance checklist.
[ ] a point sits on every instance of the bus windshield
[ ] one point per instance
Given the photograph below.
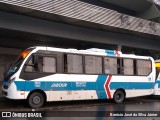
(14, 66)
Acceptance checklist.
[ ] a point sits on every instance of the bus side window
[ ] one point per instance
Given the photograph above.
(29, 66)
(74, 63)
(49, 64)
(144, 67)
(110, 65)
(128, 66)
(44, 64)
(40, 64)
(93, 64)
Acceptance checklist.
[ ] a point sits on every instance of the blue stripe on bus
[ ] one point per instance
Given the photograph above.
(101, 93)
(110, 52)
(131, 85)
(98, 86)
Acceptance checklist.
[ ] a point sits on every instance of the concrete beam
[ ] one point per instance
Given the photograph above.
(42, 27)
(10, 51)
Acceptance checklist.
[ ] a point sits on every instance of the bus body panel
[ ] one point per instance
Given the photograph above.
(77, 87)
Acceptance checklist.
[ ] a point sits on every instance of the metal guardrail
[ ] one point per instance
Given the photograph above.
(88, 12)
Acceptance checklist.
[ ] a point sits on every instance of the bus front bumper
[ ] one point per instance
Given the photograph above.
(12, 93)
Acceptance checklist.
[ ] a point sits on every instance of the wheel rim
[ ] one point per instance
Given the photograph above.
(118, 97)
(36, 100)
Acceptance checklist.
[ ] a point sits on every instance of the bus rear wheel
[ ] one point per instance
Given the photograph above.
(36, 100)
(119, 96)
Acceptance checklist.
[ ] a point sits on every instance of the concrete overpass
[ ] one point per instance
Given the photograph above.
(72, 21)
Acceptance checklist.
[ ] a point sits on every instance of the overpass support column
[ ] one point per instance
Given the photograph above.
(119, 47)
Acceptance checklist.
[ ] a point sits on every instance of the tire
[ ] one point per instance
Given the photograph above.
(36, 100)
(119, 96)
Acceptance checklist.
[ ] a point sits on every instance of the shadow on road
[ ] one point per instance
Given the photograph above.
(21, 105)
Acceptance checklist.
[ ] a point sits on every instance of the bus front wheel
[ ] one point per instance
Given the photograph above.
(36, 100)
(119, 96)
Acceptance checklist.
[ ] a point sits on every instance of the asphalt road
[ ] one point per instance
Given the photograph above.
(91, 110)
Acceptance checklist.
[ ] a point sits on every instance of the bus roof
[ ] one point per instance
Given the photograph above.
(91, 51)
